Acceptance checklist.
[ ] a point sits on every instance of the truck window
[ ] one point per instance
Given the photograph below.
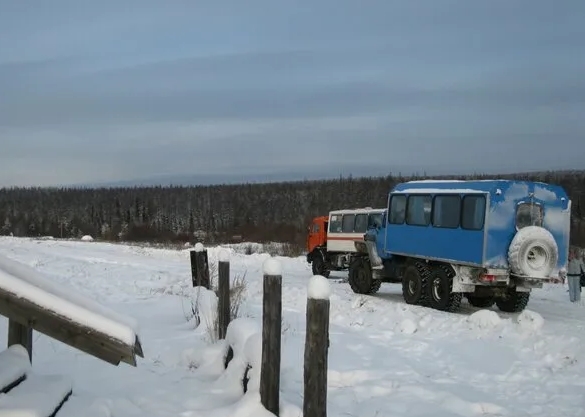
(361, 223)
(315, 228)
(473, 212)
(375, 220)
(418, 210)
(446, 211)
(335, 224)
(397, 210)
(348, 223)
(529, 214)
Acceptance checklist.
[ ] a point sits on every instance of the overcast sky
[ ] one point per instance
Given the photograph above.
(107, 90)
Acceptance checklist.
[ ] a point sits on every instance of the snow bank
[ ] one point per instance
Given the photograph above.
(245, 354)
(408, 326)
(14, 364)
(527, 322)
(87, 238)
(239, 331)
(204, 305)
(530, 320)
(77, 406)
(246, 248)
(242, 375)
(26, 282)
(485, 319)
(249, 248)
(42, 394)
(253, 356)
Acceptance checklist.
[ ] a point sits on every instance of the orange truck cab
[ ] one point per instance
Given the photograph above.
(317, 235)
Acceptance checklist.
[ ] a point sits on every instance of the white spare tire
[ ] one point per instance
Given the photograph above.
(533, 252)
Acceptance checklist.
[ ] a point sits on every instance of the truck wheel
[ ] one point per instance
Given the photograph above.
(320, 267)
(481, 302)
(361, 279)
(514, 302)
(533, 252)
(414, 283)
(439, 290)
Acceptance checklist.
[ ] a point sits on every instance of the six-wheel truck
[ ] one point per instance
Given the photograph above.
(491, 241)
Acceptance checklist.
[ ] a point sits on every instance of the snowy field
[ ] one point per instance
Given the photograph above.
(386, 358)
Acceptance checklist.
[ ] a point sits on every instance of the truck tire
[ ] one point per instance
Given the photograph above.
(319, 266)
(514, 302)
(481, 302)
(361, 279)
(414, 283)
(533, 252)
(439, 290)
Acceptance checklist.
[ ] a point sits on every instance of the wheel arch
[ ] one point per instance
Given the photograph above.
(448, 268)
(318, 251)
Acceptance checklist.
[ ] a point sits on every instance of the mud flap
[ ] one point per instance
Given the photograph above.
(370, 248)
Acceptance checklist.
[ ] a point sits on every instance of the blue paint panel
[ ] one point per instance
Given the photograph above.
(458, 245)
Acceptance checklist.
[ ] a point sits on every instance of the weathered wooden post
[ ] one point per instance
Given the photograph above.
(200, 266)
(316, 348)
(223, 290)
(271, 336)
(19, 334)
(193, 267)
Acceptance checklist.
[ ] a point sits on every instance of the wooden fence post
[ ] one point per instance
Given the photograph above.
(316, 348)
(223, 289)
(193, 267)
(200, 266)
(271, 336)
(19, 334)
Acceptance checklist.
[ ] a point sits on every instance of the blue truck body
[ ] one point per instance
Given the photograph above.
(495, 212)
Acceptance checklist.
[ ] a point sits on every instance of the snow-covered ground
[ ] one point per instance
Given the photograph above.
(386, 358)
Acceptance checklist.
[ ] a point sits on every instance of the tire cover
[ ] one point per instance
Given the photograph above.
(533, 252)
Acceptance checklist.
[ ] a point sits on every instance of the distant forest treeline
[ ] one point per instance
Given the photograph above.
(219, 213)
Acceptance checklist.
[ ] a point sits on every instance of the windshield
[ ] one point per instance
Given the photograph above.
(375, 220)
